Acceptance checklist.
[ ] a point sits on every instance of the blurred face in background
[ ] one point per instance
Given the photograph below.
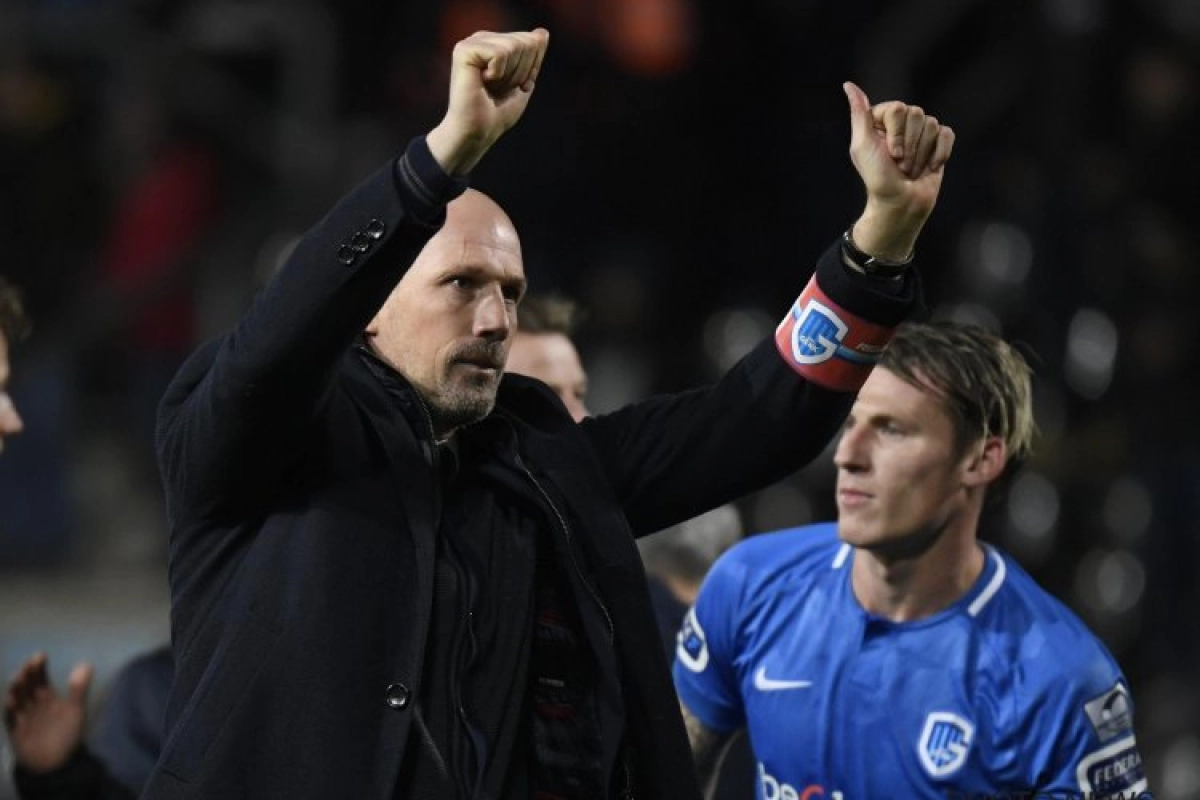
(10, 420)
(553, 360)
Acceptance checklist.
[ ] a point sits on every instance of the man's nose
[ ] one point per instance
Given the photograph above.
(10, 419)
(493, 315)
(849, 454)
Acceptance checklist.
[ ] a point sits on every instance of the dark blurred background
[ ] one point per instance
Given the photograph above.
(681, 166)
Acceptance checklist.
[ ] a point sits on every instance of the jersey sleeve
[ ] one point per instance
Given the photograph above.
(705, 677)
(1089, 749)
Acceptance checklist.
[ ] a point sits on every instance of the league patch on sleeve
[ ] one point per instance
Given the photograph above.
(1110, 713)
(1113, 771)
(691, 646)
(827, 344)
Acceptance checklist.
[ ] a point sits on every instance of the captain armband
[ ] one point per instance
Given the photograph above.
(828, 345)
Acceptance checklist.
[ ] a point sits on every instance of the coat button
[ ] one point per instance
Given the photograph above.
(397, 695)
(346, 255)
(360, 242)
(375, 229)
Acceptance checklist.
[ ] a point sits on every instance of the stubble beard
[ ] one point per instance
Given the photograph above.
(460, 403)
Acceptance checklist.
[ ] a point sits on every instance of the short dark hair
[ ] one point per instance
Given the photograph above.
(14, 322)
(547, 313)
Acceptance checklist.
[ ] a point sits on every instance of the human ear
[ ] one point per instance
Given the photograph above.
(986, 461)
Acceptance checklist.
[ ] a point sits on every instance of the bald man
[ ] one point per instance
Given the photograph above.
(397, 572)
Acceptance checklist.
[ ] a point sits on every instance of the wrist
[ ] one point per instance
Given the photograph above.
(888, 231)
(456, 153)
(856, 259)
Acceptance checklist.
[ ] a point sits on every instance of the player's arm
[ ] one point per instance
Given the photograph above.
(672, 457)
(1081, 740)
(708, 749)
(1095, 749)
(706, 679)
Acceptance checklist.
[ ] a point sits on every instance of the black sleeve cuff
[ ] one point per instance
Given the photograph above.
(883, 301)
(424, 187)
(81, 778)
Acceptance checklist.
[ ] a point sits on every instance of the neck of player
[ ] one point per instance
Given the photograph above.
(905, 587)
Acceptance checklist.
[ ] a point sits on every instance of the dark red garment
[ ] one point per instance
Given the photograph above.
(159, 223)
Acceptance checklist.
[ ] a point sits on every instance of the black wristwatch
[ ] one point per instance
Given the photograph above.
(859, 261)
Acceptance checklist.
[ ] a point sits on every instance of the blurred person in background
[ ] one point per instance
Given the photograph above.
(542, 348)
(45, 729)
(678, 558)
(14, 326)
(51, 760)
(896, 626)
(173, 184)
(335, 637)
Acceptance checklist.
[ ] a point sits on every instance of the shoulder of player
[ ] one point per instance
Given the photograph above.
(1036, 629)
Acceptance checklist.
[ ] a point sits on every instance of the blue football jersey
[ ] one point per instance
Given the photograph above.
(1003, 693)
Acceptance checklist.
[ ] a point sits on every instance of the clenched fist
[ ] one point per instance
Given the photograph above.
(492, 76)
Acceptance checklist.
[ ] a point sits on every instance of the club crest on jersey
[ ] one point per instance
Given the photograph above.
(691, 646)
(945, 742)
(817, 334)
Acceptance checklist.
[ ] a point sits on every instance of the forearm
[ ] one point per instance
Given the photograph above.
(708, 750)
(673, 457)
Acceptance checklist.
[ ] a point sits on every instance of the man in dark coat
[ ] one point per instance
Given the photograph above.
(395, 575)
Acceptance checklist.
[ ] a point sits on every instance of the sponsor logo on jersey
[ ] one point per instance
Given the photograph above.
(1110, 713)
(1049, 794)
(691, 646)
(817, 334)
(1112, 770)
(945, 742)
(774, 789)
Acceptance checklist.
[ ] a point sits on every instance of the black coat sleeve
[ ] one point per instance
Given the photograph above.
(83, 777)
(674, 456)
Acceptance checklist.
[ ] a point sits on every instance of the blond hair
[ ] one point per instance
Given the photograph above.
(984, 381)
(547, 313)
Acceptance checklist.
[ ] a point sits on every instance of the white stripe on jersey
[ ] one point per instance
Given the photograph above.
(993, 585)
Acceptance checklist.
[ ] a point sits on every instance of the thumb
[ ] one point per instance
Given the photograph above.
(79, 681)
(860, 111)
